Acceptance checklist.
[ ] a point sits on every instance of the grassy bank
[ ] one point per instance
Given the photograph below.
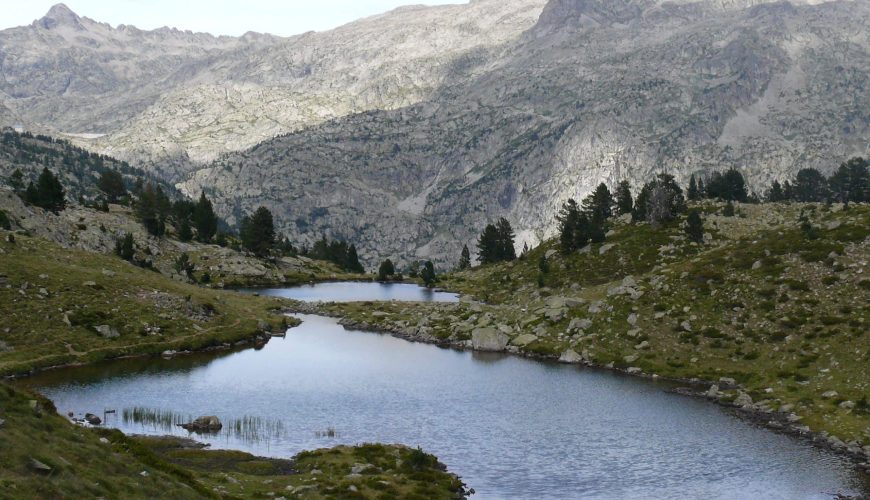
(63, 306)
(45, 456)
(774, 315)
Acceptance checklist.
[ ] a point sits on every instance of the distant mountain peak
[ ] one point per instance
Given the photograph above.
(60, 15)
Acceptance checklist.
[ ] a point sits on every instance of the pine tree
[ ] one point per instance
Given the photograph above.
(428, 273)
(124, 247)
(16, 181)
(775, 193)
(692, 193)
(204, 219)
(258, 232)
(506, 250)
(788, 193)
(695, 227)
(624, 202)
(386, 270)
(185, 234)
(465, 259)
(660, 201)
(487, 245)
(599, 205)
(48, 192)
(152, 208)
(702, 189)
(810, 186)
(111, 183)
(353, 264)
(568, 218)
(851, 182)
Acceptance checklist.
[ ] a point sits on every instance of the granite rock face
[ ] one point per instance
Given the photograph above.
(681, 87)
(407, 132)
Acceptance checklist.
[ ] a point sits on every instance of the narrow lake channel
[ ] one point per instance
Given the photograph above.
(511, 427)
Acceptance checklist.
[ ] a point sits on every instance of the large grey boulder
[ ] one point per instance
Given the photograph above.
(488, 339)
(570, 356)
(107, 331)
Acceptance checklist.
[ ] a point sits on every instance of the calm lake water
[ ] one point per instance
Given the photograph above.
(511, 427)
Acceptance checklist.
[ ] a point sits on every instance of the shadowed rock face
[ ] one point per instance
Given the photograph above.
(768, 89)
(407, 132)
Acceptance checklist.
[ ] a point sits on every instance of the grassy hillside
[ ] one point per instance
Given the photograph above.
(780, 310)
(67, 306)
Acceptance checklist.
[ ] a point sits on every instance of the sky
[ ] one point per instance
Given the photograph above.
(219, 17)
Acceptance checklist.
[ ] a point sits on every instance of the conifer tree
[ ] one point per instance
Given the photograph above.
(353, 264)
(386, 270)
(16, 181)
(692, 192)
(810, 186)
(112, 185)
(598, 206)
(465, 259)
(695, 227)
(258, 232)
(775, 193)
(185, 234)
(124, 247)
(506, 250)
(428, 273)
(48, 193)
(568, 218)
(851, 182)
(204, 219)
(624, 202)
(488, 245)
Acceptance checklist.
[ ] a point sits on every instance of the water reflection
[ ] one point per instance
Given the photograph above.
(357, 292)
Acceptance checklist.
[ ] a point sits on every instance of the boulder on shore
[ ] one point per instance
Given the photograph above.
(203, 424)
(488, 339)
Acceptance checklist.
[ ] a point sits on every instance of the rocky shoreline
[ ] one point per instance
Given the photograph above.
(743, 405)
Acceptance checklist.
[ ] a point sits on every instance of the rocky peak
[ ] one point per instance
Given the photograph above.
(60, 15)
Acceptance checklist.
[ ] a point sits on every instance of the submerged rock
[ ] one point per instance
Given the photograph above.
(203, 424)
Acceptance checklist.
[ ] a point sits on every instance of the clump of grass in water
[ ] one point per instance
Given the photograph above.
(250, 430)
(255, 429)
(165, 420)
(328, 433)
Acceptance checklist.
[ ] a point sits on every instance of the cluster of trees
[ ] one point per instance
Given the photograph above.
(581, 224)
(728, 186)
(338, 252)
(496, 243)
(850, 183)
(47, 193)
(29, 153)
(660, 201)
(154, 208)
(387, 272)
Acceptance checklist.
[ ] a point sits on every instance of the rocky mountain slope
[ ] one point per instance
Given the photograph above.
(205, 95)
(408, 131)
(685, 87)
